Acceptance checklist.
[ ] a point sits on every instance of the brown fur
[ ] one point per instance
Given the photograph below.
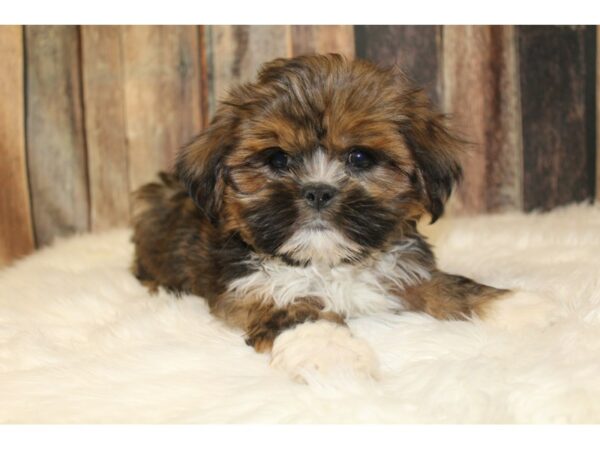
(448, 297)
(225, 207)
(263, 322)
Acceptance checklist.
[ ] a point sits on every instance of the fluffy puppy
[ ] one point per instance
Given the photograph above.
(297, 208)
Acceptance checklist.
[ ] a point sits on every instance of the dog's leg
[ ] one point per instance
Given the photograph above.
(302, 338)
(447, 296)
(267, 322)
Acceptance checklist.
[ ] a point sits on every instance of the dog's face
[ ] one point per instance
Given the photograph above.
(321, 160)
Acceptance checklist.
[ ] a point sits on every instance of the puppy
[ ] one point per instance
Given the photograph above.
(296, 209)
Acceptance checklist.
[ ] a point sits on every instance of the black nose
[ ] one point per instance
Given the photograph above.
(318, 195)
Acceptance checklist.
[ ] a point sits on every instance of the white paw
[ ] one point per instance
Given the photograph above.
(518, 310)
(323, 348)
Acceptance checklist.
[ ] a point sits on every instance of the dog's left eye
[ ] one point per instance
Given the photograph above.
(277, 158)
(361, 158)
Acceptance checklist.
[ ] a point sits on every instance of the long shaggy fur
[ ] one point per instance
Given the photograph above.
(300, 200)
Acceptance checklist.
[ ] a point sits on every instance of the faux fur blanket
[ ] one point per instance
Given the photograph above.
(82, 341)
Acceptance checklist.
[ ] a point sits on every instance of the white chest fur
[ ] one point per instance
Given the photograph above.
(350, 290)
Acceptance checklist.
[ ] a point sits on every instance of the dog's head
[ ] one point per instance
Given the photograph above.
(322, 159)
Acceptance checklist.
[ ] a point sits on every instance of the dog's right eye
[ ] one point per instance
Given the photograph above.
(277, 159)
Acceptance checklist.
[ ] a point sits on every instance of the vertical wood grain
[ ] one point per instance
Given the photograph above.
(204, 72)
(481, 91)
(308, 39)
(597, 112)
(416, 49)
(16, 233)
(162, 95)
(55, 140)
(557, 82)
(102, 69)
(88, 114)
(236, 52)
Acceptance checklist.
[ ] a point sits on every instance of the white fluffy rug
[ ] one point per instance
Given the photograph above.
(82, 341)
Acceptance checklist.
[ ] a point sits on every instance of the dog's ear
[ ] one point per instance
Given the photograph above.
(435, 148)
(199, 164)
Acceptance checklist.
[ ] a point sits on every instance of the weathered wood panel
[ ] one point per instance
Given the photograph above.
(204, 86)
(162, 95)
(98, 110)
(416, 49)
(102, 69)
(55, 140)
(235, 53)
(558, 156)
(16, 233)
(308, 39)
(597, 112)
(481, 91)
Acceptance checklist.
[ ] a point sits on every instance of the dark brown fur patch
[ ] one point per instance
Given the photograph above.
(176, 245)
(450, 297)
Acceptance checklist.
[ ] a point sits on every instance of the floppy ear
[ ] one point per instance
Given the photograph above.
(435, 149)
(200, 166)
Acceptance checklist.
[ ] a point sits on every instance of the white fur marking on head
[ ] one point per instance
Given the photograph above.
(320, 168)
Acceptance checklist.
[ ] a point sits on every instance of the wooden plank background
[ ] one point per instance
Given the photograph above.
(16, 232)
(88, 113)
(559, 154)
(597, 113)
(416, 49)
(56, 153)
(105, 125)
(481, 89)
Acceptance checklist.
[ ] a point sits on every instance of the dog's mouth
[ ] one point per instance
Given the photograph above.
(317, 224)
(318, 241)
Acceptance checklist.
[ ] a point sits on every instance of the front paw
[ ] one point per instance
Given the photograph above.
(517, 310)
(322, 348)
